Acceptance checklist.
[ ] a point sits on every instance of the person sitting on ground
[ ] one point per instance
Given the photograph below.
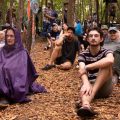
(114, 45)
(64, 53)
(95, 70)
(17, 72)
(52, 36)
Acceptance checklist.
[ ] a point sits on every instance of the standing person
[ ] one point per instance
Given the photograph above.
(95, 70)
(65, 50)
(17, 72)
(112, 14)
(49, 17)
(11, 19)
(37, 16)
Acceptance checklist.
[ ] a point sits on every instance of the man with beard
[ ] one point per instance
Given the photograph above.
(95, 70)
(64, 53)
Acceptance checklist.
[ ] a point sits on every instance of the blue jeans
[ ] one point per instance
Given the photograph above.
(46, 29)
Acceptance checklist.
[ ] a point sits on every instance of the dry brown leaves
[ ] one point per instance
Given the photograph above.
(63, 92)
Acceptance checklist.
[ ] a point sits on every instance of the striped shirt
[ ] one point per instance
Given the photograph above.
(88, 58)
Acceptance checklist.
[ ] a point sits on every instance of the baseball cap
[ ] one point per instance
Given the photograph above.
(113, 29)
(54, 24)
(104, 27)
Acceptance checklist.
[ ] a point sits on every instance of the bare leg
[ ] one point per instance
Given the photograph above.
(52, 47)
(103, 75)
(56, 53)
(49, 42)
(65, 66)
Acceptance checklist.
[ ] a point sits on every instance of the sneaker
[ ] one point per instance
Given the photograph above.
(48, 67)
(86, 112)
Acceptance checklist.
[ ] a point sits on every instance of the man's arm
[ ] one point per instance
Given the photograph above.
(104, 62)
(83, 72)
(48, 16)
(59, 42)
(86, 87)
(61, 39)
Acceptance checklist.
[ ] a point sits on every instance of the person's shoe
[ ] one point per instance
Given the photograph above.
(48, 67)
(86, 112)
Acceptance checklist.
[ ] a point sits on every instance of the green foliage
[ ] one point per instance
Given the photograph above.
(83, 8)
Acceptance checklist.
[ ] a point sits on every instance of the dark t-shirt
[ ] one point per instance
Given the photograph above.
(69, 49)
(88, 58)
(54, 34)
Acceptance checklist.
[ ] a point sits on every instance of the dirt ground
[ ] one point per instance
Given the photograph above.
(63, 92)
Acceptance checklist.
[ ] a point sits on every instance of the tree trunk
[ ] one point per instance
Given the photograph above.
(20, 13)
(90, 7)
(46, 1)
(71, 12)
(11, 5)
(83, 13)
(41, 15)
(106, 13)
(97, 11)
(29, 34)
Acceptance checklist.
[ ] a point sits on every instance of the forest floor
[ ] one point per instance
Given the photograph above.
(63, 92)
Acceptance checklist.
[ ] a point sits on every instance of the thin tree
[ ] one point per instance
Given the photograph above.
(20, 13)
(11, 10)
(97, 11)
(71, 12)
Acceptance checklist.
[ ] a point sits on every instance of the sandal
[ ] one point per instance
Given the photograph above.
(86, 112)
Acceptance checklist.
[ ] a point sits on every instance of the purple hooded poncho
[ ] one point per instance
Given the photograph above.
(17, 72)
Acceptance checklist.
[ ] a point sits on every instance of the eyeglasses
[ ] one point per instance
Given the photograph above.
(95, 35)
